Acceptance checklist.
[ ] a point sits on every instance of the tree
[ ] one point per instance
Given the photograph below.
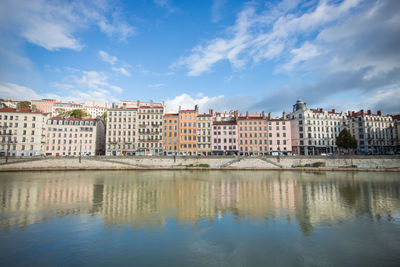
(345, 140)
(77, 113)
(24, 105)
(104, 118)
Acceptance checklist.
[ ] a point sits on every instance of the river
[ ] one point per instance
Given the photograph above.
(199, 218)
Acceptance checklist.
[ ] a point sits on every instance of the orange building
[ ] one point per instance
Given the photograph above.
(253, 134)
(188, 131)
(171, 133)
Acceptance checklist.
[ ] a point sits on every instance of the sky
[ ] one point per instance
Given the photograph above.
(227, 55)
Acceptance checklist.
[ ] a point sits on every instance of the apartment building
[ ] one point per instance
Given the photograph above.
(396, 120)
(314, 131)
(279, 136)
(74, 137)
(121, 132)
(171, 134)
(60, 107)
(375, 133)
(43, 105)
(95, 109)
(204, 128)
(224, 137)
(22, 132)
(150, 122)
(188, 131)
(253, 134)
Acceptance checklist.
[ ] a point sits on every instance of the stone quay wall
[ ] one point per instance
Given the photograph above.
(370, 163)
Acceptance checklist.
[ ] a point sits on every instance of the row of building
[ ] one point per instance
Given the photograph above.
(145, 128)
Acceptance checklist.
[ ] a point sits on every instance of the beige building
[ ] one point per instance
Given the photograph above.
(59, 107)
(314, 131)
(121, 132)
(95, 109)
(374, 132)
(188, 131)
(74, 137)
(22, 132)
(204, 126)
(150, 129)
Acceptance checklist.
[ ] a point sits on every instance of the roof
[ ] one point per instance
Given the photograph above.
(71, 119)
(13, 110)
(250, 118)
(224, 122)
(204, 115)
(170, 114)
(151, 107)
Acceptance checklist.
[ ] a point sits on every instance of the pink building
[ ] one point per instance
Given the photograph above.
(44, 105)
(72, 136)
(279, 135)
(224, 137)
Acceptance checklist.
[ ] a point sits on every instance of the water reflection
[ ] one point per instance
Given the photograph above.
(148, 199)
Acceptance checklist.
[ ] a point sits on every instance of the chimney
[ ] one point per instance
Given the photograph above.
(284, 115)
(196, 108)
(179, 110)
(151, 103)
(369, 112)
(263, 114)
(247, 114)
(269, 116)
(211, 111)
(379, 112)
(138, 104)
(333, 110)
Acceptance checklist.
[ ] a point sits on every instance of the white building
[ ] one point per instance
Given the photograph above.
(22, 132)
(121, 133)
(314, 131)
(59, 107)
(375, 133)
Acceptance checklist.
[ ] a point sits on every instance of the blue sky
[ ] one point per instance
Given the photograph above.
(246, 55)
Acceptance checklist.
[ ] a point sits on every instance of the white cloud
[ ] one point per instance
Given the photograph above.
(263, 36)
(116, 88)
(107, 57)
(157, 85)
(166, 4)
(216, 10)
(17, 92)
(122, 70)
(53, 25)
(218, 103)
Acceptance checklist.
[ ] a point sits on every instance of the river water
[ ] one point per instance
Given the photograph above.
(199, 218)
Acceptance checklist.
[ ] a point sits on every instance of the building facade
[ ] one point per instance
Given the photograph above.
(375, 133)
(74, 137)
(60, 107)
(188, 131)
(43, 105)
(22, 132)
(224, 138)
(279, 136)
(171, 134)
(253, 134)
(314, 131)
(121, 131)
(150, 129)
(204, 127)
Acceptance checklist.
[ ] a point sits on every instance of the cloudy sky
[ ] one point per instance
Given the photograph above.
(246, 55)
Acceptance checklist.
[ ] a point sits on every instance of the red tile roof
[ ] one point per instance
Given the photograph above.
(20, 111)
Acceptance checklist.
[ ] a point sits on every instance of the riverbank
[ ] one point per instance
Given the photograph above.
(292, 163)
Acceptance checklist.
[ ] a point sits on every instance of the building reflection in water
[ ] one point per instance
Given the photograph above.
(150, 198)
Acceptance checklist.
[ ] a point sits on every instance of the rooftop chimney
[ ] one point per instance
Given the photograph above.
(263, 114)
(284, 115)
(379, 112)
(333, 110)
(247, 114)
(196, 108)
(369, 112)
(269, 116)
(211, 111)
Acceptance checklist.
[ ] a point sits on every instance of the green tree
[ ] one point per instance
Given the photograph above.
(345, 140)
(104, 118)
(77, 113)
(24, 105)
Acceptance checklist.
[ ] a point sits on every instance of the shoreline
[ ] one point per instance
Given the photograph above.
(368, 164)
(202, 169)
